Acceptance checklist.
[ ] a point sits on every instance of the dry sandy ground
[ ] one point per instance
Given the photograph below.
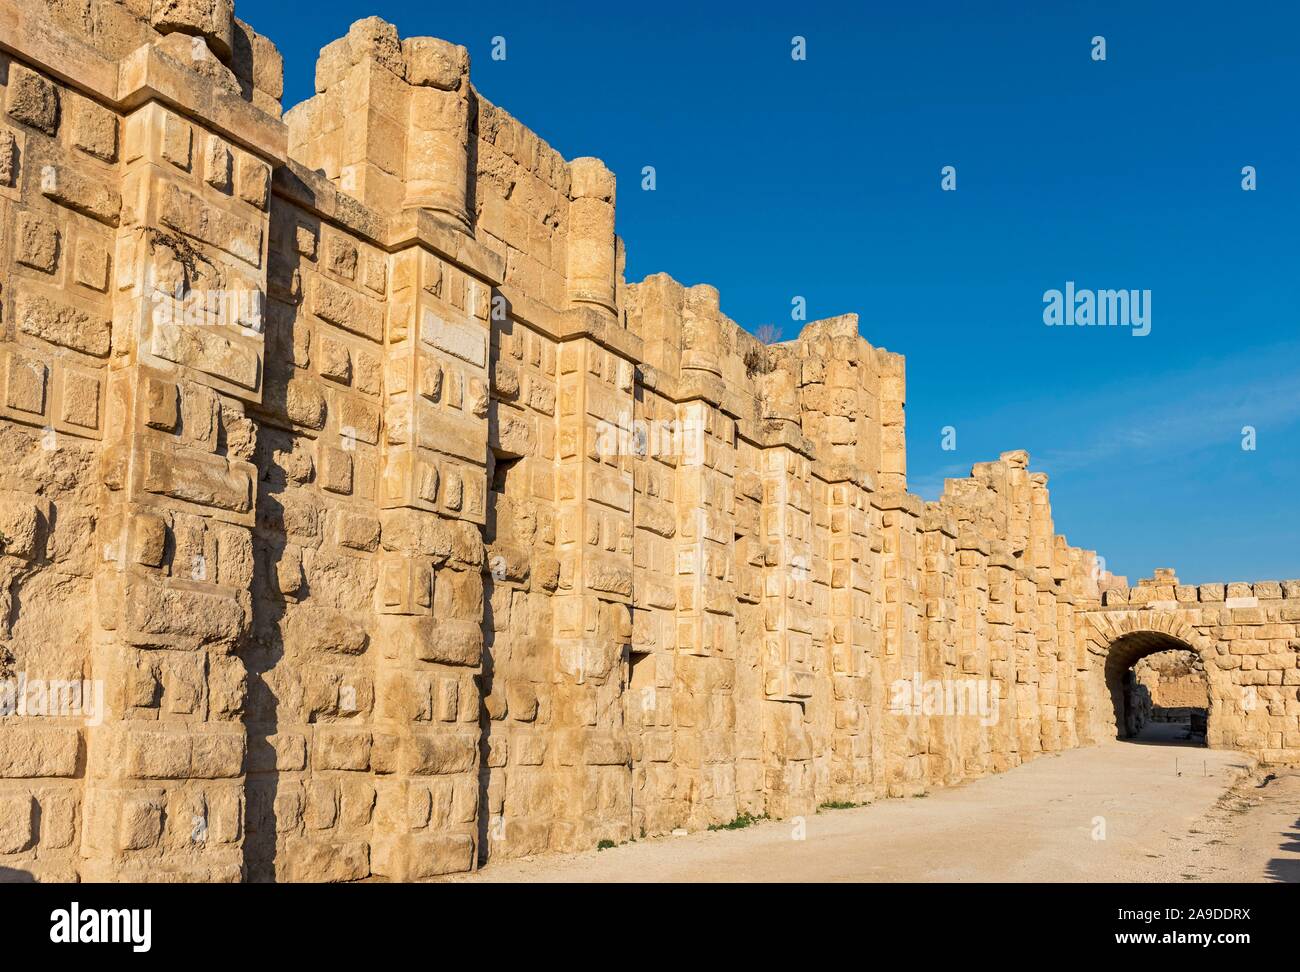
(1169, 812)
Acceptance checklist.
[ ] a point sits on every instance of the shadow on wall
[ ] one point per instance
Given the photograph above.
(263, 653)
(1138, 705)
(278, 575)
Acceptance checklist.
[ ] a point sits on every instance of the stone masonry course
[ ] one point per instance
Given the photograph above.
(359, 520)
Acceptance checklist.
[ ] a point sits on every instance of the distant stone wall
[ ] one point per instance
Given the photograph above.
(1175, 681)
(1167, 687)
(399, 532)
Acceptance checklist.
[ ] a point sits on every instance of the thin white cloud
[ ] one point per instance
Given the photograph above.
(1182, 413)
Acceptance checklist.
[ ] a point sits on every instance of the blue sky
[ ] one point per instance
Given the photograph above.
(821, 179)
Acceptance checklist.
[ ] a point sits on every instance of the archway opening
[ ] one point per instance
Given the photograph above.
(1159, 689)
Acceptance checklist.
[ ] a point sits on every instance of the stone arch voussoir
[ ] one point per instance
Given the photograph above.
(1109, 628)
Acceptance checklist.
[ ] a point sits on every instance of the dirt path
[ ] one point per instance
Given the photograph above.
(1251, 834)
(1123, 811)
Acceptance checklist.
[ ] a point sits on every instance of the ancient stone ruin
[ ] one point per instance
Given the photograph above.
(1168, 686)
(359, 520)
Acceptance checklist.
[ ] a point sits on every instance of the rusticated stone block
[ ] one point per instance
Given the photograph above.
(36, 241)
(204, 349)
(435, 63)
(94, 130)
(217, 163)
(141, 821)
(305, 403)
(358, 532)
(8, 158)
(62, 324)
(58, 815)
(341, 749)
(186, 212)
(336, 470)
(335, 361)
(306, 532)
(30, 752)
(422, 856)
(254, 181)
(25, 383)
(32, 99)
(81, 194)
(208, 481)
(79, 402)
(438, 752)
(327, 631)
(184, 615)
(148, 539)
(314, 862)
(448, 643)
(177, 141)
(20, 525)
(161, 404)
(213, 20)
(91, 266)
(257, 60)
(177, 755)
(347, 309)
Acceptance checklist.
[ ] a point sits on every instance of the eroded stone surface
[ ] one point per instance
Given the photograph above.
(400, 532)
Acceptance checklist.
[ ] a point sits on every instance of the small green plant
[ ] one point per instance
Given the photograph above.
(605, 845)
(740, 823)
(839, 805)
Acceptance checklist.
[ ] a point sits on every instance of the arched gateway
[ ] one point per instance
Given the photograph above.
(1246, 646)
(1123, 654)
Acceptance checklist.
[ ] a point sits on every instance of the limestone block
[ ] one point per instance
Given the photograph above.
(440, 752)
(305, 403)
(253, 178)
(140, 822)
(398, 464)
(217, 163)
(209, 351)
(8, 158)
(79, 401)
(32, 99)
(91, 267)
(327, 631)
(213, 20)
(80, 193)
(187, 213)
(435, 63)
(63, 324)
(26, 382)
(341, 749)
(317, 862)
(94, 129)
(177, 141)
(256, 59)
(207, 481)
(36, 242)
(347, 309)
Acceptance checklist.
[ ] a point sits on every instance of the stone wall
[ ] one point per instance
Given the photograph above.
(1244, 637)
(1169, 685)
(401, 533)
